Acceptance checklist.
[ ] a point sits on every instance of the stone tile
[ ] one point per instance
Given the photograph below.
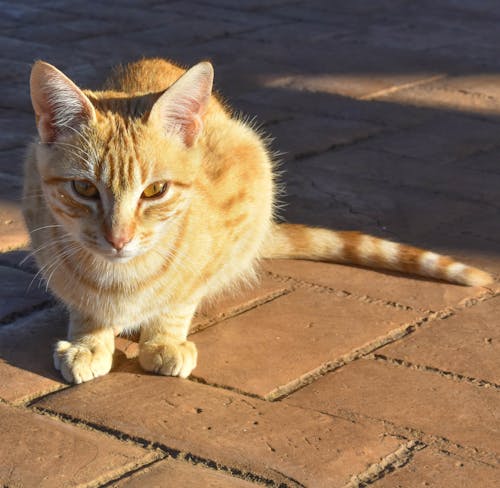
(306, 135)
(467, 343)
(26, 345)
(436, 469)
(465, 183)
(179, 473)
(395, 211)
(458, 94)
(321, 102)
(64, 31)
(12, 162)
(117, 49)
(25, 14)
(277, 343)
(244, 75)
(26, 349)
(15, 96)
(248, 18)
(463, 413)
(13, 233)
(14, 70)
(443, 140)
(15, 129)
(184, 31)
(132, 15)
(237, 301)
(17, 296)
(350, 69)
(249, 5)
(19, 259)
(270, 440)
(415, 292)
(485, 163)
(64, 455)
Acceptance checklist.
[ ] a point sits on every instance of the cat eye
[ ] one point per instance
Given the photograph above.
(155, 190)
(85, 189)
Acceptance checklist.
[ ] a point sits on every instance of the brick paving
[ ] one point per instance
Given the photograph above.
(388, 114)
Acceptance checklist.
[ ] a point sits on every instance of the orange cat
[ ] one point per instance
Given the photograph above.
(147, 197)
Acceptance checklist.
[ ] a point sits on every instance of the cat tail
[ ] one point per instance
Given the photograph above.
(317, 244)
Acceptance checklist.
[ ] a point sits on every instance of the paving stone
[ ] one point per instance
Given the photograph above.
(485, 163)
(270, 440)
(415, 292)
(134, 16)
(16, 129)
(350, 69)
(65, 30)
(12, 162)
(415, 216)
(180, 473)
(321, 102)
(306, 135)
(452, 95)
(467, 343)
(461, 412)
(244, 75)
(279, 342)
(17, 296)
(13, 233)
(20, 259)
(26, 345)
(117, 49)
(64, 455)
(237, 301)
(467, 184)
(183, 31)
(443, 140)
(436, 469)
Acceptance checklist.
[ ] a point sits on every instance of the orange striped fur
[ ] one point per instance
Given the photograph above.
(121, 259)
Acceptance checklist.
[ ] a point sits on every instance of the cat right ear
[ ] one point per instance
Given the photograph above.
(59, 104)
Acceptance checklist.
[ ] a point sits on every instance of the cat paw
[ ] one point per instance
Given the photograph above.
(79, 362)
(170, 359)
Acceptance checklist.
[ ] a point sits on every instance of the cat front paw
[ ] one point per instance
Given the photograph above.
(170, 359)
(80, 362)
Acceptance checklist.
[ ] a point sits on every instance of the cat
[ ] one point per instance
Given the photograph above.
(149, 196)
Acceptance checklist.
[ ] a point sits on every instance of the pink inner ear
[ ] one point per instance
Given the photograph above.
(181, 108)
(58, 103)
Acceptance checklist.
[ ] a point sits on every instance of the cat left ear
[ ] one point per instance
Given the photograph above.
(58, 103)
(180, 109)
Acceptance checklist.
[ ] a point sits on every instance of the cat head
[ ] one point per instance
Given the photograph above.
(117, 169)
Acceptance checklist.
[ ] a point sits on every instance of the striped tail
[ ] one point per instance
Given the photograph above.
(301, 242)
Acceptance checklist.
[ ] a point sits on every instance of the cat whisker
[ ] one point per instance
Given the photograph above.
(53, 243)
(45, 227)
(62, 258)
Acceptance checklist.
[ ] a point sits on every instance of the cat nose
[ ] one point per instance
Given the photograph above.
(118, 241)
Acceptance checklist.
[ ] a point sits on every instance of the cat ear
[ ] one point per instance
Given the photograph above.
(180, 109)
(58, 103)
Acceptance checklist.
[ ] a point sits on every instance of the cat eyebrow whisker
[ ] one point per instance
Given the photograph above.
(81, 153)
(85, 139)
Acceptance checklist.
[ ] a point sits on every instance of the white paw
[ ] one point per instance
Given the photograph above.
(170, 359)
(79, 362)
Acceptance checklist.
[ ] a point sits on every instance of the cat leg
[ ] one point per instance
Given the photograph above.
(163, 347)
(88, 352)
